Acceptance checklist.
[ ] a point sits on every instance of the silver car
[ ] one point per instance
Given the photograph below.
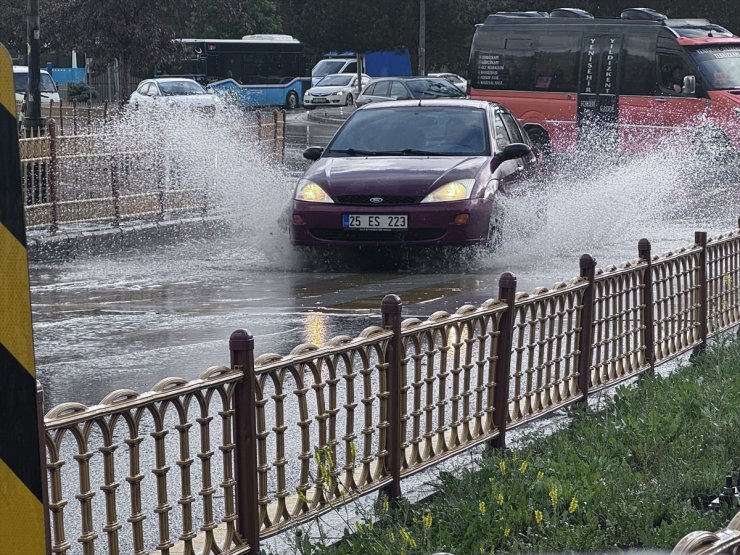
(408, 88)
(163, 92)
(335, 89)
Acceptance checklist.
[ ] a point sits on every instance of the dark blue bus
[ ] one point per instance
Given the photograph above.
(256, 70)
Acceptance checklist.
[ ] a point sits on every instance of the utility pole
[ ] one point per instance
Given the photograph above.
(422, 37)
(32, 118)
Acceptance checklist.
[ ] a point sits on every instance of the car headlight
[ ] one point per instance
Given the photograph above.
(308, 191)
(454, 190)
(338, 93)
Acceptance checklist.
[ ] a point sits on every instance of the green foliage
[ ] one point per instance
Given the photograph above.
(80, 91)
(232, 19)
(636, 474)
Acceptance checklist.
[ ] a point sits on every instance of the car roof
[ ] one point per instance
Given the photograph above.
(168, 79)
(445, 102)
(342, 74)
(24, 69)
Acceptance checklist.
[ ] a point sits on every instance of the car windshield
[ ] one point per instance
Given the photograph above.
(335, 81)
(720, 66)
(171, 88)
(433, 88)
(325, 67)
(20, 83)
(411, 131)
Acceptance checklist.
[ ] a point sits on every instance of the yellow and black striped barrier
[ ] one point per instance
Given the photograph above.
(23, 528)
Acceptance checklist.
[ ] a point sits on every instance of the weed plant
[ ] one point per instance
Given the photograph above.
(639, 473)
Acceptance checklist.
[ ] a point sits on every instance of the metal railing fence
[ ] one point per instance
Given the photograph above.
(108, 176)
(247, 451)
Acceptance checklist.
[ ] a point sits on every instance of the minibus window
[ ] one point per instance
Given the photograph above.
(638, 65)
(720, 66)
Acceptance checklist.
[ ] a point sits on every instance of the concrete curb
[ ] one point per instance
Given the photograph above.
(335, 116)
(72, 243)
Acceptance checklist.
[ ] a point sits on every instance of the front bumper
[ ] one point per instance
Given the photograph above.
(429, 224)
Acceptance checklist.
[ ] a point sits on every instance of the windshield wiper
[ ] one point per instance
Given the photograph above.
(417, 152)
(355, 152)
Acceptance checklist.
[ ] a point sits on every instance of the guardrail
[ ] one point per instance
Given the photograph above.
(272, 441)
(106, 177)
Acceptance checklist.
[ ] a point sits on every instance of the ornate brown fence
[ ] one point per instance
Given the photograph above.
(109, 177)
(247, 451)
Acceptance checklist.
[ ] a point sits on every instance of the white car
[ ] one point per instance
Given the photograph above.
(335, 89)
(453, 78)
(47, 87)
(173, 92)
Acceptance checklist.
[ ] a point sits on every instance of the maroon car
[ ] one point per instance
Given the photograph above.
(411, 173)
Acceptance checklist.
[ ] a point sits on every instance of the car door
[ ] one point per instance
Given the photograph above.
(506, 172)
(527, 164)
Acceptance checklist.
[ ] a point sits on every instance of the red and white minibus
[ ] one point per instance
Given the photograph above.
(637, 79)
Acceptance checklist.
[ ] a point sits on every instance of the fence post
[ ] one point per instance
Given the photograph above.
(644, 251)
(507, 294)
(588, 271)
(391, 311)
(275, 133)
(284, 126)
(52, 175)
(700, 238)
(259, 126)
(74, 117)
(241, 345)
(61, 117)
(42, 453)
(115, 192)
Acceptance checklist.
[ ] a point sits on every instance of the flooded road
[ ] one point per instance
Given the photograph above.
(105, 322)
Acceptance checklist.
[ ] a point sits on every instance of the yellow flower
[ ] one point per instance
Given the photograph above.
(386, 505)
(538, 516)
(540, 475)
(727, 279)
(482, 549)
(553, 493)
(426, 520)
(523, 467)
(573, 507)
(391, 536)
(502, 466)
(406, 536)
(500, 498)
(352, 450)
(359, 526)
(507, 532)
(482, 507)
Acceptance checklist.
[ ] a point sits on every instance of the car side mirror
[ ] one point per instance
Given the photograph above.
(514, 150)
(313, 153)
(689, 85)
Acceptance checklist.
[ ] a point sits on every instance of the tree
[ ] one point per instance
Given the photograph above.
(137, 33)
(232, 19)
(13, 25)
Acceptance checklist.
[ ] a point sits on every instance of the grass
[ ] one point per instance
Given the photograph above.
(639, 473)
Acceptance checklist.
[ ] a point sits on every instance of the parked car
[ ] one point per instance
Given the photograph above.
(412, 173)
(336, 89)
(453, 78)
(47, 87)
(173, 92)
(405, 88)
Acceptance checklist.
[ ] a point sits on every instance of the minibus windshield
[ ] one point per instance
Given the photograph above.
(720, 66)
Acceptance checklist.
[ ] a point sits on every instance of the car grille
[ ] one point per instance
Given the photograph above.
(409, 235)
(387, 200)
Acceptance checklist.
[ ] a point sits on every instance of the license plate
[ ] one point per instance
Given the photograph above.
(379, 222)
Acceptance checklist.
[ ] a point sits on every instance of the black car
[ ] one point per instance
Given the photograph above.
(408, 88)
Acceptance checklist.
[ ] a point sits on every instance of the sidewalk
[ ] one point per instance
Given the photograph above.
(72, 240)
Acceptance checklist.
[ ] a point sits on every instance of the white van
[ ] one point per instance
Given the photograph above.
(47, 86)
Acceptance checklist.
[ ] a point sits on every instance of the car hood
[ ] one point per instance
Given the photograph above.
(327, 89)
(191, 100)
(387, 175)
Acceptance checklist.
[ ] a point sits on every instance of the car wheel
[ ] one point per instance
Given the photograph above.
(540, 139)
(711, 143)
(350, 100)
(291, 101)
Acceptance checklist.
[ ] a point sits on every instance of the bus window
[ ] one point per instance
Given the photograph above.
(638, 75)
